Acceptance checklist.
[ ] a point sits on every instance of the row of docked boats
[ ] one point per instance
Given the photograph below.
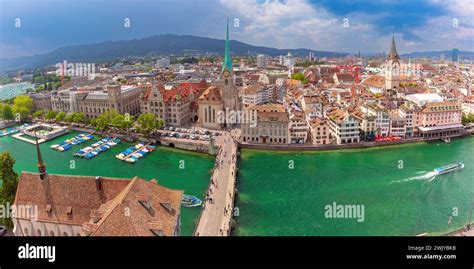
(133, 154)
(97, 148)
(13, 130)
(69, 143)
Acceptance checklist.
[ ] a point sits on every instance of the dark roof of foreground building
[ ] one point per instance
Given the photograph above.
(100, 204)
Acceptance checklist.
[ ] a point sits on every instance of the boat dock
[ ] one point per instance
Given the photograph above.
(218, 208)
(97, 148)
(132, 154)
(68, 143)
(13, 130)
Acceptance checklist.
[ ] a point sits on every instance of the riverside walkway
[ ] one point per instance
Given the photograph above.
(216, 214)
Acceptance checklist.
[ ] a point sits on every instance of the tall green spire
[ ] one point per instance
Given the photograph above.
(227, 58)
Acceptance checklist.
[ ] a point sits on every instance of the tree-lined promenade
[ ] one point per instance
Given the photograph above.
(21, 110)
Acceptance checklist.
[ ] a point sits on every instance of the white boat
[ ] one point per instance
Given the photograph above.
(449, 168)
(55, 146)
(130, 160)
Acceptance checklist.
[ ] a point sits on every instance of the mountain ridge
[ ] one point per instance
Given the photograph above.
(158, 45)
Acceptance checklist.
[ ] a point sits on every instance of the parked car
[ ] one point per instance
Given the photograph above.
(3, 230)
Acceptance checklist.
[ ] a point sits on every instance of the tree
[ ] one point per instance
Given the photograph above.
(300, 77)
(38, 114)
(60, 116)
(9, 183)
(23, 105)
(50, 115)
(467, 118)
(147, 123)
(105, 119)
(123, 122)
(7, 112)
(101, 123)
(69, 117)
(79, 117)
(308, 63)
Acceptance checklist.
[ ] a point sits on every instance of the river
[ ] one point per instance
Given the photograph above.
(392, 184)
(162, 164)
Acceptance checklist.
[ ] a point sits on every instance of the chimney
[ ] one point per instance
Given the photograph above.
(98, 183)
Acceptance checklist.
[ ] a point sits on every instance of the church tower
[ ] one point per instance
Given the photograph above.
(229, 92)
(392, 68)
(41, 166)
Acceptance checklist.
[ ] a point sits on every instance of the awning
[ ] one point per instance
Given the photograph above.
(441, 127)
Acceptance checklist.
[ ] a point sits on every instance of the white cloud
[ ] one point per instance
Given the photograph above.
(296, 24)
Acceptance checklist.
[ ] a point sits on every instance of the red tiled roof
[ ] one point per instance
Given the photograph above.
(75, 200)
(183, 90)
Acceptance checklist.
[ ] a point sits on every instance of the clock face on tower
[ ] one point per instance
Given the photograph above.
(226, 73)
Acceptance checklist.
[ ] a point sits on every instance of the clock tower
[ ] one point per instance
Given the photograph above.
(392, 68)
(228, 90)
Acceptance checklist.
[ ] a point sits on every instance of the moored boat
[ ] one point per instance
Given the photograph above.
(190, 201)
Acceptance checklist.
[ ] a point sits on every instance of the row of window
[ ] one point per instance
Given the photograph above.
(264, 140)
(38, 232)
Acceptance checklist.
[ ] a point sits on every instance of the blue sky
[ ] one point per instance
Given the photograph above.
(345, 25)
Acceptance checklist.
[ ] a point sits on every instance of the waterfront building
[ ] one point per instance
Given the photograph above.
(61, 101)
(367, 124)
(298, 126)
(344, 127)
(93, 102)
(411, 114)
(398, 127)
(173, 106)
(440, 119)
(382, 117)
(320, 131)
(271, 125)
(122, 98)
(392, 68)
(41, 100)
(93, 206)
